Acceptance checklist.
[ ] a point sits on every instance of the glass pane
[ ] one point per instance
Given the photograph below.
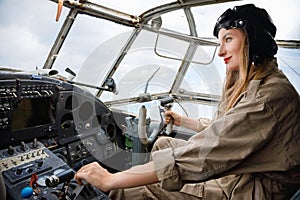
(142, 71)
(85, 46)
(205, 79)
(98, 63)
(174, 48)
(28, 30)
(176, 21)
(288, 61)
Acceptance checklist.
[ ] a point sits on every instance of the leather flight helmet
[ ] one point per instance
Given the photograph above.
(259, 27)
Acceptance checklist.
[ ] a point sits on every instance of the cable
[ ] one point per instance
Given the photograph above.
(181, 107)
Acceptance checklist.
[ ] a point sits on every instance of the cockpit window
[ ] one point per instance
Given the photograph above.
(138, 74)
(80, 51)
(175, 21)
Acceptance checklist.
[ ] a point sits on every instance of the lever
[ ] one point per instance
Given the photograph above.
(77, 190)
(169, 127)
(165, 102)
(62, 177)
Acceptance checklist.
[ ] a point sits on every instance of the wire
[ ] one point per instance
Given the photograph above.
(181, 107)
(290, 67)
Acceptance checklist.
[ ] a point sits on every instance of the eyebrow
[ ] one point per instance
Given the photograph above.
(224, 36)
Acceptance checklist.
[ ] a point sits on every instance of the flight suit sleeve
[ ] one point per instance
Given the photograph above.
(195, 124)
(225, 143)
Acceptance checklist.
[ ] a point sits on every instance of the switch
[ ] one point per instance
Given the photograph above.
(10, 150)
(34, 143)
(23, 146)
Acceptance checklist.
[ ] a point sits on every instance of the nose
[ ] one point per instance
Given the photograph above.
(221, 52)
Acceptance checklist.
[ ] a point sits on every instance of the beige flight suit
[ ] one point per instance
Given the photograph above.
(250, 152)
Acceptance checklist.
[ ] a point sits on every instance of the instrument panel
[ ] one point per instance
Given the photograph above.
(26, 105)
(33, 106)
(48, 127)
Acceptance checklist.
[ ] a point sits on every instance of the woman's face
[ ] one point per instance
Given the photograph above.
(230, 45)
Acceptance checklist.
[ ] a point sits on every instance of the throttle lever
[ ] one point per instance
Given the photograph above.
(78, 189)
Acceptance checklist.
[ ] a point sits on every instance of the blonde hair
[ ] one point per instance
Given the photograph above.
(237, 81)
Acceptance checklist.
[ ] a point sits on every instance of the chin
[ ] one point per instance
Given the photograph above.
(232, 68)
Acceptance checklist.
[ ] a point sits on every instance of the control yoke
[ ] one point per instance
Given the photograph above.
(142, 133)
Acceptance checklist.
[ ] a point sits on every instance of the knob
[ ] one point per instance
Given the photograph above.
(19, 171)
(40, 162)
(26, 192)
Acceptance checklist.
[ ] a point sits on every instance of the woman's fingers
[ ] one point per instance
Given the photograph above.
(170, 115)
(93, 174)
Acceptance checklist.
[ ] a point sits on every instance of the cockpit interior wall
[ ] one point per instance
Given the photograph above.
(49, 127)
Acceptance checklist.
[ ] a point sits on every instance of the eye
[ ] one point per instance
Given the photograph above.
(228, 39)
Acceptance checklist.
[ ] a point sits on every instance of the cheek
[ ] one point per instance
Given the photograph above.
(234, 64)
(236, 50)
(236, 56)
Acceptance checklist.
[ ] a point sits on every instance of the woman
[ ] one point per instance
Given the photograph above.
(250, 150)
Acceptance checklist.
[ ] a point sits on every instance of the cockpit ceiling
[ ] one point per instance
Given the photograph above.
(134, 13)
(137, 8)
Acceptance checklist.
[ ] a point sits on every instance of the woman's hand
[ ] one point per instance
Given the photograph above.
(99, 177)
(95, 175)
(170, 115)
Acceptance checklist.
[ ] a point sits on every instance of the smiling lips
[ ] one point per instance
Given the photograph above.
(226, 60)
